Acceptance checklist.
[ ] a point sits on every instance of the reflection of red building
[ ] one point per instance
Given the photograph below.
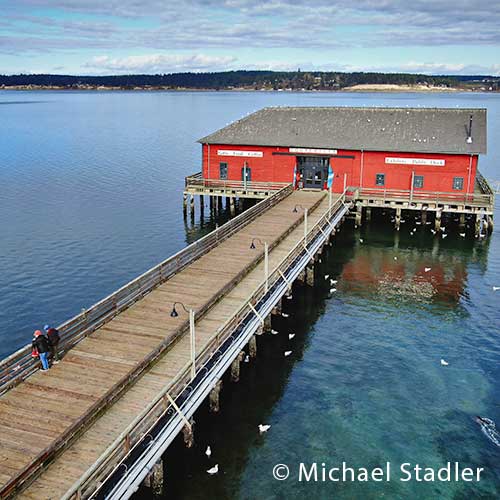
(374, 271)
(422, 149)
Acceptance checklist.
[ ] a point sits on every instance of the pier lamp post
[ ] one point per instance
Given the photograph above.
(305, 220)
(266, 258)
(192, 336)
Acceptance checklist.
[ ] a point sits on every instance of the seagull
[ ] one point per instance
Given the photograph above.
(427, 269)
(333, 290)
(290, 336)
(263, 428)
(213, 470)
(444, 236)
(285, 315)
(327, 276)
(444, 363)
(443, 228)
(208, 452)
(247, 359)
(496, 288)
(289, 297)
(462, 235)
(361, 240)
(274, 332)
(432, 231)
(395, 258)
(418, 223)
(287, 353)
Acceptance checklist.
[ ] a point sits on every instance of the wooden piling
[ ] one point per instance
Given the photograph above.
(213, 397)
(188, 434)
(397, 223)
(235, 367)
(437, 221)
(252, 347)
(155, 479)
(309, 275)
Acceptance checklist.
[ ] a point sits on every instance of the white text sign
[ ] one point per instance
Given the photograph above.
(230, 152)
(416, 161)
(313, 151)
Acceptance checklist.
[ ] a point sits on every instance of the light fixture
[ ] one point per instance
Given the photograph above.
(174, 313)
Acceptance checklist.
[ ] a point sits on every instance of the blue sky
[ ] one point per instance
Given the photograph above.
(161, 36)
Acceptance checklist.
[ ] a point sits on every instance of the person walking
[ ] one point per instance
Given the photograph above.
(41, 344)
(54, 338)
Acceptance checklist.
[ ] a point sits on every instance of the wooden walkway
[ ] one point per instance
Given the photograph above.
(41, 409)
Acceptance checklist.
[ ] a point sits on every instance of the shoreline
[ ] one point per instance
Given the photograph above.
(355, 89)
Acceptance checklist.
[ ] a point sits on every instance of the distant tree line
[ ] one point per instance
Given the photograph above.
(241, 79)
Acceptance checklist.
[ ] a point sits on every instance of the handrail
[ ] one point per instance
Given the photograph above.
(20, 365)
(137, 429)
(427, 196)
(197, 180)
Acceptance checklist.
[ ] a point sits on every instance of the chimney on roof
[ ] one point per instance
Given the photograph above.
(469, 132)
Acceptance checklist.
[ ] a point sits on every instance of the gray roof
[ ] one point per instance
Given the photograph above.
(414, 130)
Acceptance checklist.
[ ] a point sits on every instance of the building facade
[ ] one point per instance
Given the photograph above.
(419, 149)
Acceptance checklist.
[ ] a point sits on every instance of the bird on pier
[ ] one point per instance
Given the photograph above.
(361, 240)
(285, 315)
(333, 282)
(418, 222)
(213, 470)
(287, 353)
(327, 276)
(333, 290)
(263, 428)
(462, 235)
(444, 236)
(208, 452)
(274, 332)
(395, 258)
(432, 231)
(247, 359)
(289, 297)
(291, 336)
(427, 269)
(444, 363)
(496, 288)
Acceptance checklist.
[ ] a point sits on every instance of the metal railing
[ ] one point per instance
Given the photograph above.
(197, 181)
(119, 450)
(408, 195)
(20, 365)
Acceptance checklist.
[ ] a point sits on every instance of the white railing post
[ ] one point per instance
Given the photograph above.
(266, 264)
(305, 226)
(193, 343)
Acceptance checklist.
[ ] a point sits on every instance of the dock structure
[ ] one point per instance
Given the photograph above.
(138, 364)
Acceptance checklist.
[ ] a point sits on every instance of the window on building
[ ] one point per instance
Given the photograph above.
(223, 170)
(458, 183)
(380, 179)
(418, 181)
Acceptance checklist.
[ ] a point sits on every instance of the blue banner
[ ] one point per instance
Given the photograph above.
(330, 177)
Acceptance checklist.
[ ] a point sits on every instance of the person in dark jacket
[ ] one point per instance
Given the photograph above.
(41, 344)
(54, 338)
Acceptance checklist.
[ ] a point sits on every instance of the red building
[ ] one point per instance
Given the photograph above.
(418, 149)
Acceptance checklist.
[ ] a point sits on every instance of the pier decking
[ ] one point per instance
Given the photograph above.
(57, 425)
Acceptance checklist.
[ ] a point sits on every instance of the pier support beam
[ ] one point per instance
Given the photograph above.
(489, 218)
(397, 222)
(437, 221)
(184, 203)
(155, 480)
(235, 367)
(191, 204)
(301, 278)
(232, 206)
(188, 434)
(461, 223)
(252, 347)
(368, 214)
(309, 275)
(359, 215)
(277, 308)
(213, 397)
(424, 217)
(266, 327)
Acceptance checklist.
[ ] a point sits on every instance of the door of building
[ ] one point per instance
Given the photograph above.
(246, 174)
(313, 171)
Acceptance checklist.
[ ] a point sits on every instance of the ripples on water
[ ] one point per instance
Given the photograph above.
(91, 196)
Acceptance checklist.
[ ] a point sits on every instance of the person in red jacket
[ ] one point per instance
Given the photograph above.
(41, 344)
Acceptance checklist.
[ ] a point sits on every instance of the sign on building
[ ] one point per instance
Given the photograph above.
(416, 161)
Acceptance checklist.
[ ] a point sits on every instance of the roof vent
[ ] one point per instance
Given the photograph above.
(469, 132)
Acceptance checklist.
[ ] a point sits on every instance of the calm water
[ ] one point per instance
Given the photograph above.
(91, 196)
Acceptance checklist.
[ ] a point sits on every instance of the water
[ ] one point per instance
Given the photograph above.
(91, 197)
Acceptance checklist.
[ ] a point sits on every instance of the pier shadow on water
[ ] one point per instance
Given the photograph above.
(364, 383)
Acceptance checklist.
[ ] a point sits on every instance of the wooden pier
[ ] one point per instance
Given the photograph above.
(127, 359)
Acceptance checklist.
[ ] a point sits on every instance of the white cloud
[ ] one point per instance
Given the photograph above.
(160, 63)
